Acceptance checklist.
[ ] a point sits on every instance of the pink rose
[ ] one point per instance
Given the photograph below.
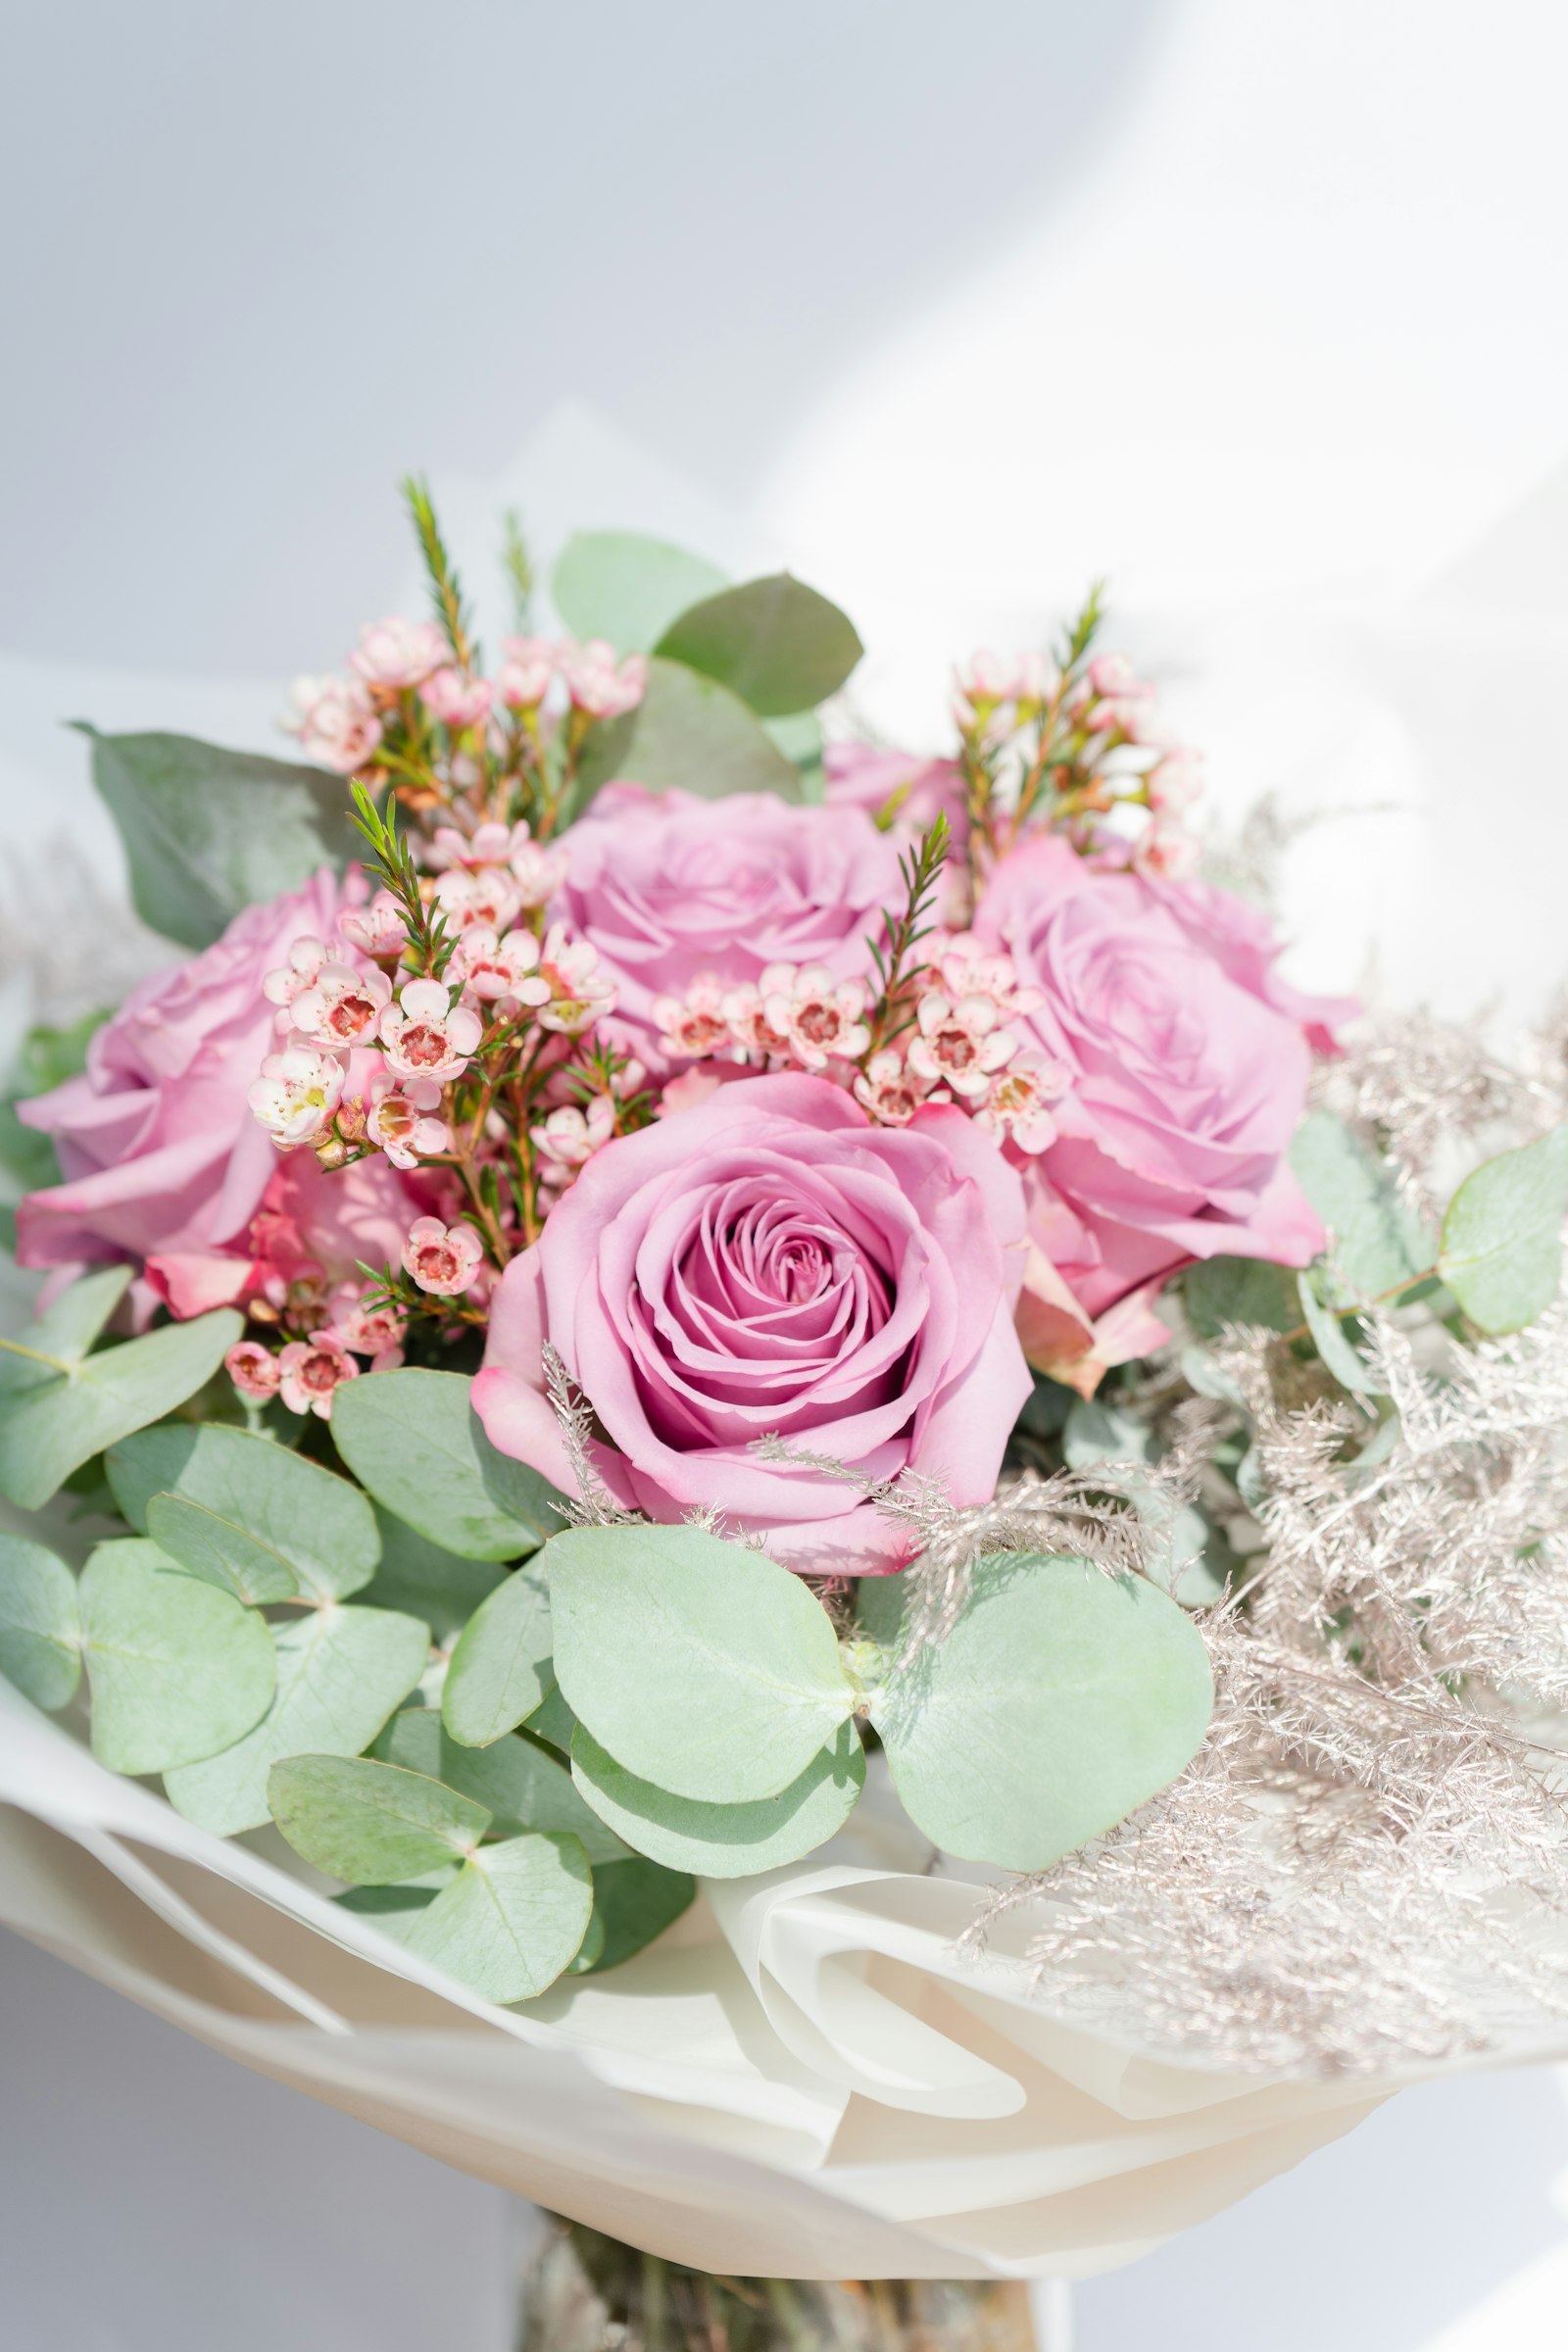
(898, 786)
(668, 886)
(772, 1263)
(162, 1159)
(1189, 1063)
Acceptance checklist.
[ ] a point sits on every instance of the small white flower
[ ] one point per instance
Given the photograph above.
(296, 1094)
(426, 1035)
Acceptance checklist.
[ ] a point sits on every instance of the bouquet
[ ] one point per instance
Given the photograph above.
(663, 1271)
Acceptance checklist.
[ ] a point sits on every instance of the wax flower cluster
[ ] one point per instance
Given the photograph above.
(459, 1031)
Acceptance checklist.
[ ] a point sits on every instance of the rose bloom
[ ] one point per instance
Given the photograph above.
(668, 886)
(162, 1159)
(1186, 1060)
(773, 1263)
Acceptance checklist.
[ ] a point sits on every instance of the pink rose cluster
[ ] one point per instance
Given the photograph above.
(790, 1234)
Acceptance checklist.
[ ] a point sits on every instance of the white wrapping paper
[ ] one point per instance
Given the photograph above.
(803, 2078)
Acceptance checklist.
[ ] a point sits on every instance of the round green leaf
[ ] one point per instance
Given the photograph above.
(179, 1670)
(775, 642)
(207, 1544)
(519, 1786)
(1246, 1292)
(373, 1823)
(1061, 1701)
(59, 1405)
(40, 1623)
(512, 1918)
(1378, 1240)
(634, 1901)
(426, 1581)
(414, 1440)
(313, 1523)
(396, 1910)
(625, 588)
(699, 1665)
(341, 1672)
(724, 1841)
(1502, 1254)
(690, 731)
(501, 1666)
(209, 832)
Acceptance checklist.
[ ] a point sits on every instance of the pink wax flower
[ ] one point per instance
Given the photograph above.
(892, 1091)
(581, 990)
(341, 1007)
(397, 653)
(457, 700)
(772, 1263)
(280, 988)
(822, 1018)
(378, 1331)
(570, 1137)
(376, 929)
(160, 1153)
(297, 1093)
(426, 1035)
(254, 1370)
(402, 1120)
(598, 685)
(490, 967)
(527, 666)
(442, 1258)
(960, 1041)
(695, 1025)
(335, 723)
(668, 886)
(1188, 1064)
(310, 1370)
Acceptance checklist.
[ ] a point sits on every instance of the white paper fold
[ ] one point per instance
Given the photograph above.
(804, 2077)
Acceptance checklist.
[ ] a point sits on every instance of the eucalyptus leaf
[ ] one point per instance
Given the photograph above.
(414, 1440)
(625, 588)
(370, 1822)
(501, 1666)
(1061, 1701)
(40, 1623)
(1502, 1254)
(1246, 1291)
(553, 1720)
(1378, 1241)
(51, 1055)
(724, 1841)
(634, 1903)
(777, 643)
(1333, 1341)
(207, 1544)
(800, 738)
(520, 1784)
(341, 1670)
(425, 1580)
(879, 1603)
(60, 1405)
(688, 731)
(394, 1910)
(699, 1665)
(179, 1670)
(512, 1920)
(318, 1525)
(209, 832)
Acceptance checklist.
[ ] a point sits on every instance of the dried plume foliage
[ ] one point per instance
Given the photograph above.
(1367, 1863)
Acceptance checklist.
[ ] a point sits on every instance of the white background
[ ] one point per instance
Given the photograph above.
(1257, 307)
